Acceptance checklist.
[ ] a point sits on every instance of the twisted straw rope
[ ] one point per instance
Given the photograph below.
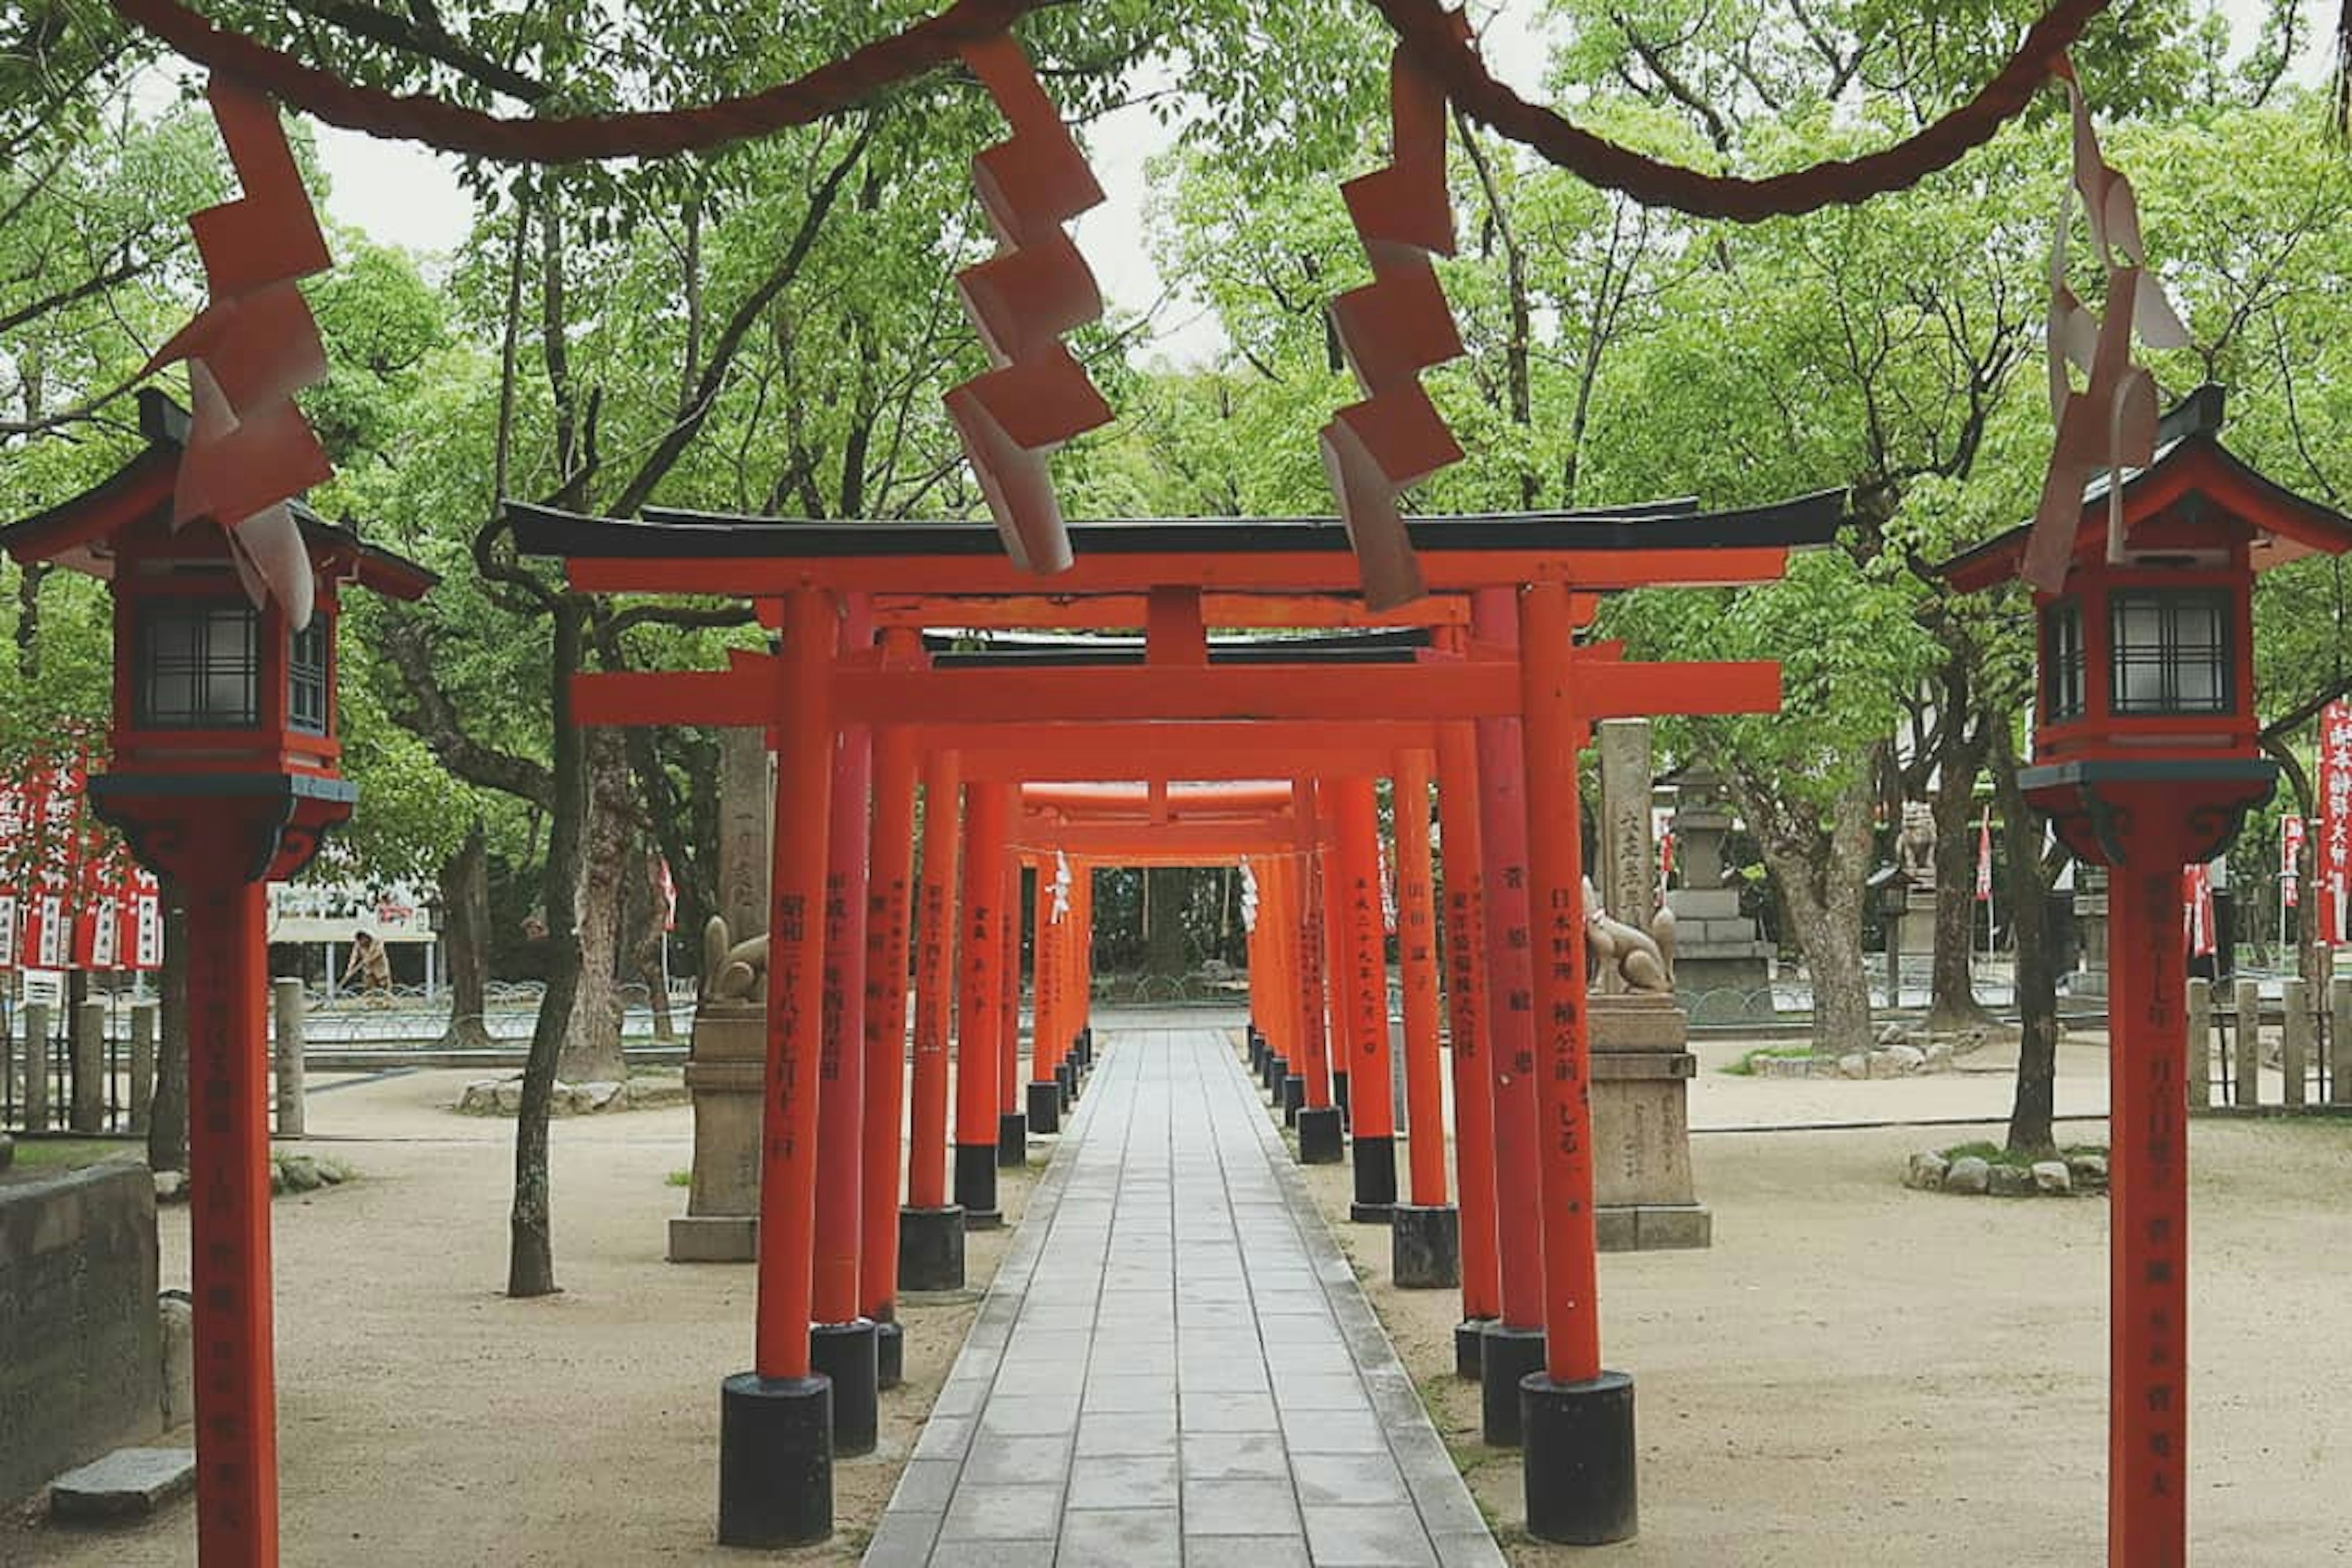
(1419, 24)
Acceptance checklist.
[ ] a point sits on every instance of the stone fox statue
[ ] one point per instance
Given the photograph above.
(1644, 959)
(732, 972)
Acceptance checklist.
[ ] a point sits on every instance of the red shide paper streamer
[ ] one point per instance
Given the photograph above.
(1391, 330)
(1021, 300)
(249, 450)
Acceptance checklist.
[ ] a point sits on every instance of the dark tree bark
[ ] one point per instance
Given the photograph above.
(1819, 868)
(167, 1111)
(1164, 893)
(531, 1256)
(2034, 1108)
(591, 1043)
(466, 940)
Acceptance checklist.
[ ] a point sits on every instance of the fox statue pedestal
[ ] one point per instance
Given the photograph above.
(1643, 1199)
(723, 1072)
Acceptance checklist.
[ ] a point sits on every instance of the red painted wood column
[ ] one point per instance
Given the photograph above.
(1371, 1105)
(1043, 1108)
(844, 1341)
(1082, 900)
(229, 1210)
(931, 1229)
(775, 1437)
(1514, 1347)
(1012, 1111)
(935, 947)
(988, 814)
(888, 910)
(2148, 1206)
(1467, 1021)
(1335, 1029)
(1417, 970)
(1309, 1051)
(805, 777)
(1577, 1420)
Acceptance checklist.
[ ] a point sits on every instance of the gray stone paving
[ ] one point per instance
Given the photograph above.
(1174, 1366)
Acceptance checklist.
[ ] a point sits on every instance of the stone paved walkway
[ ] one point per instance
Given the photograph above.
(1174, 1367)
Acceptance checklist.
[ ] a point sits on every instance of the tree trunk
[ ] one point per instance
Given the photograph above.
(592, 1044)
(530, 1255)
(2033, 1106)
(466, 938)
(1164, 889)
(1951, 996)
(1819, 875)
(641, 919)
(167, 1111)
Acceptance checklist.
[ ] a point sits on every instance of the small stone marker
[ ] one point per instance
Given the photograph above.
(127, 1484)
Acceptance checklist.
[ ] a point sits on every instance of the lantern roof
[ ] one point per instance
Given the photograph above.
(80, 532)
(2191, 472)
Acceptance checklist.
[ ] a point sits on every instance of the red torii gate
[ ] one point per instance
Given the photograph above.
(1530, 575)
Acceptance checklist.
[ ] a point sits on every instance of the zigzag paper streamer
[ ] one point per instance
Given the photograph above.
(250, 350)
(1391, 330)
(1021, 300)
(2112, 422)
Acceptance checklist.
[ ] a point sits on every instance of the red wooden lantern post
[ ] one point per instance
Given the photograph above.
(225, 776)
(2146, 758)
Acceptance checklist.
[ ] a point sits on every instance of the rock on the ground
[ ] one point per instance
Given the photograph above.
(506, 1099)
(171, 1186)
(2091, 1168)
(2051, 1176)
(302, 1174)
(1892, 1034)
(2012, 1182)
(127, 1484)
(479, 1098)
(601, 1096)
(1854, 1064)
(1968, 1174)
(1907, 1059)
(331, 1173)
(1938, 1057)
(1926, 1173)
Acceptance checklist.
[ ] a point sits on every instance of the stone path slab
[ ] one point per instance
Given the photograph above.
(1174, 1366)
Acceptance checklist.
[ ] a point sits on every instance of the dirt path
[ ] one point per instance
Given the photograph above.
(424, 1419)
(1857, 1373)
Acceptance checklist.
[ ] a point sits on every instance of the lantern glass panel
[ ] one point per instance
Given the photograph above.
(2172, 651)
(2062, 660)
(306, 678)
(199, 668)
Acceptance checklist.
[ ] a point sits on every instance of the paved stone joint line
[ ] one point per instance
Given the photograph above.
(1174, 1366)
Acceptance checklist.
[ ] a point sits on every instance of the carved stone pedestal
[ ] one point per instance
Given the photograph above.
(1643, 1197)
(723, 1072)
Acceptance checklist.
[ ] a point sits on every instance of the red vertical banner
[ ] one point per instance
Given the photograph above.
(2333, 872)
(1984, 857)
(2290, 858)
(147, 919)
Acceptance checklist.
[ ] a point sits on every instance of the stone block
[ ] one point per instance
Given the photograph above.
(1615, 1230)
(1968, 1174)
(714, 1239)
(80, 1338)
(2012, 1182)
(127, 1484)
(1638, 1022)
(1927, 1171)
(1640, 1137)
(1673, 1227)
(2052, 1177)
(1699, 904)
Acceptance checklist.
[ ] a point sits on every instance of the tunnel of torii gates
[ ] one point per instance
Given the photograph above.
(1489, 686)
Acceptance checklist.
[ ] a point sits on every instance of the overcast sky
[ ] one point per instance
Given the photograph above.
(402, 195)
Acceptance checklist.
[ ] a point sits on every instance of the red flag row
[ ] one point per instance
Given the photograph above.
(70, 895)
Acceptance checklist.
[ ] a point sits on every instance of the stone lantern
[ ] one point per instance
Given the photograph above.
(224, 776)
(2146, 758)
